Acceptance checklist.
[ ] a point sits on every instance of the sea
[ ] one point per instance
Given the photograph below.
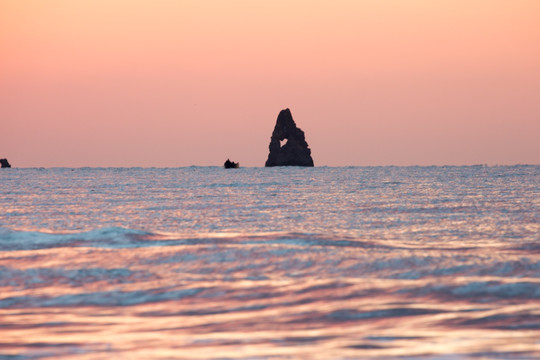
(436, 262)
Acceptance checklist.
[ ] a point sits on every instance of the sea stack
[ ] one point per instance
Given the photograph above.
(5, 163)
(231, 164)
(295, 151)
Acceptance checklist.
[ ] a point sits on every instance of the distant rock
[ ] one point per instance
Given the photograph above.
(5, 163)
(295, 152)
(231, 164)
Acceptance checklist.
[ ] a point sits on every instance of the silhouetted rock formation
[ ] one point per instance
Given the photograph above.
(231, 164)
(295, 152)
(5, 163)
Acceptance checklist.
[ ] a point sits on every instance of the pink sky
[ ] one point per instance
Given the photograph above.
(192, 82)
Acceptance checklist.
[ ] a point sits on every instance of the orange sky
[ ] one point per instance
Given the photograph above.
(192, 82)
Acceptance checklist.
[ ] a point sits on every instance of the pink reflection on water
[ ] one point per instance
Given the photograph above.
(265, 298)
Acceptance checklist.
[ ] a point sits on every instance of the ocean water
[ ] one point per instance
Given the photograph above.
(270, 263)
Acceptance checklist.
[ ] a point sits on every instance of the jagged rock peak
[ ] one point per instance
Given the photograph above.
(295, 152)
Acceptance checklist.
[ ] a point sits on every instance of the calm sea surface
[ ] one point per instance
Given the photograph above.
(270, 263)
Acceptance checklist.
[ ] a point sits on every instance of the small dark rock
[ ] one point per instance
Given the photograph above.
(296, 151)
(5, 163)
(231, 164)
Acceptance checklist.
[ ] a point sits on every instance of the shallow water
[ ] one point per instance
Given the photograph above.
(264, 263)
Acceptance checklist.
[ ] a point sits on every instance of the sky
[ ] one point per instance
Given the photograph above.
(169, 83)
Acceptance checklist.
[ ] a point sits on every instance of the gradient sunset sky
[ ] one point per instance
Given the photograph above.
(193, 82)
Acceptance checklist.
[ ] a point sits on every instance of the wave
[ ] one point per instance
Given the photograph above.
(105, 237)
(118, 237)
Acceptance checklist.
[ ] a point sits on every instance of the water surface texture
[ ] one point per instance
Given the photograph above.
(270, 263)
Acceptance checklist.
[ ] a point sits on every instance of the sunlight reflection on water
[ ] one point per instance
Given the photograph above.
(324, 263)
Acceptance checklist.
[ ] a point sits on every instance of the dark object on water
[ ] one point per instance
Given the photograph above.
(5, 163)
(295, 152)
(231, 164)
